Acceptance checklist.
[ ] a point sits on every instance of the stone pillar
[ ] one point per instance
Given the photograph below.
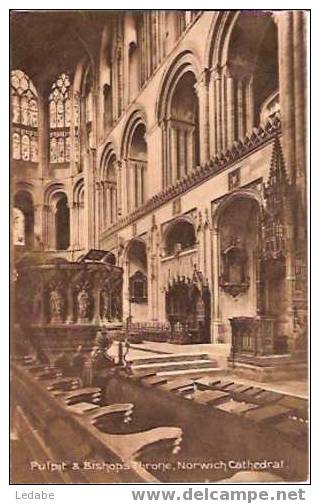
(249, 105)
(173, 150)
(299, 63)
(126, 294)
(119, 190)
(224, 117)
(215, 309)
(72, 225)
(74, 218)
(212, 125)
(241, 128)
(165, 156)
(43, 135)
(122, 189)
(52, 228)
(97, 209)
(102, 221)
(190, 160)
(72, 136)
(81, 229)
(139, 175)
(132, 186)
(203, 100)
(218, 108)
(286, 87)
(230, 106)
(182, 152)
(39, 226)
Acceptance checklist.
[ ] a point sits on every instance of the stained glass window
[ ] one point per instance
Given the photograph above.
(60, 119)
(24, 101)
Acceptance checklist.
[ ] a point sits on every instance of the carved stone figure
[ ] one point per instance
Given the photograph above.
(56, 302)
(83, 299)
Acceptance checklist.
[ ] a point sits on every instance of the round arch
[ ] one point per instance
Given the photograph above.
(109, 187)
(57, 216)
(183, 63)
(179, 235)
(136, 119)
(106, 155)
(231, 198)
(134, 151)
(177, 110)
(23, 222)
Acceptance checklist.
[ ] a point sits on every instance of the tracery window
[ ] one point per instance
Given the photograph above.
(24, 117)
(60, 120)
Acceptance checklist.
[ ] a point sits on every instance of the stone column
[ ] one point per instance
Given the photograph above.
(119, 190)
(122, 189)
(224, 116)
(165, 156)
(299, 63)
(212, 125)
(203, 100)
(182, 150)
(190, 161)
(81, 217)
(215, 310)
(52, 239)
(241, 128)
(173, 149)
(76, 225)
(132, 186)
(286, 87)
(72, 135)
(126, 294)
(139, 169)
(249, 105)
(72, 225)
(218, 107)
(43, 135)
(39, 226)
(230, 108)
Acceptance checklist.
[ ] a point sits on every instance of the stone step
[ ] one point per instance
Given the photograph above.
(193, 372)
(173, 366)
(169, 358)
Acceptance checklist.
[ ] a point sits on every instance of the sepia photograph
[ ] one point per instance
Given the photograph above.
(159, 247)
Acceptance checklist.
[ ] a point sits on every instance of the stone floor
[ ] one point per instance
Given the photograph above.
(218, 352)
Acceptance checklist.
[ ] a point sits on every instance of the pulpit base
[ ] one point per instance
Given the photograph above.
(267, 368)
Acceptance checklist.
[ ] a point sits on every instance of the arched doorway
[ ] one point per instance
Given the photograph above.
(137, 277)
(188, 304)
(23, 220)
(62, 221)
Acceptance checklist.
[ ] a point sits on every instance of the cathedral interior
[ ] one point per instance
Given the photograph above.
(158, 193)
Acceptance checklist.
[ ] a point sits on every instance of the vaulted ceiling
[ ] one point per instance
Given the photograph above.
(46, 43)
